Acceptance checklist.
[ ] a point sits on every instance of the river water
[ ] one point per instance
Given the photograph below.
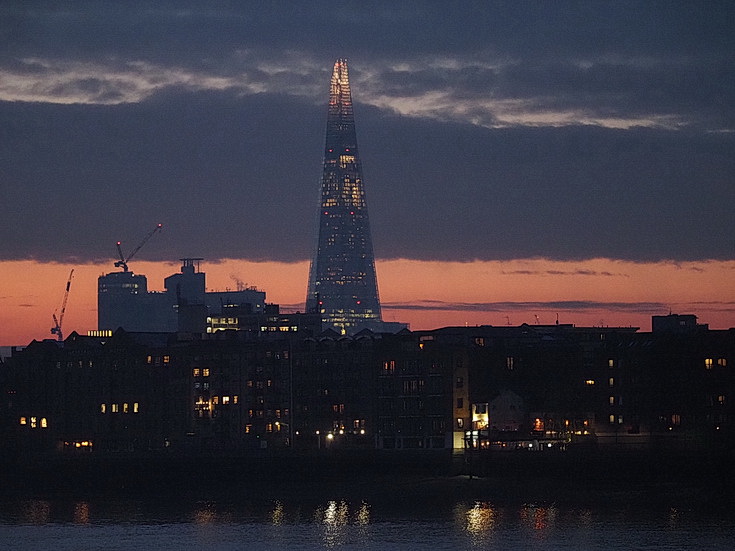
(121, 524)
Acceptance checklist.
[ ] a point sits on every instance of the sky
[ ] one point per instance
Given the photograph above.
(522, 160)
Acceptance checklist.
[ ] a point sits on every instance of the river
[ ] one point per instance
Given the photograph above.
(264, 524)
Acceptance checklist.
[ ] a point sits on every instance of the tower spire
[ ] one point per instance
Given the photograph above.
(342, 280)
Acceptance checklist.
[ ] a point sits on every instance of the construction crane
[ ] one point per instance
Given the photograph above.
(123, 262)
(56, 329)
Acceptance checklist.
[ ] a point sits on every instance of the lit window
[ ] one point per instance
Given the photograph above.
(510, 363)
(34, 422)
(612, 419)
(269, 427)
(136, 409)
(215, 399)
(23, 421)
(460, 422)
(115, 408)
(225, 399)
(149, 359)
(721, 399)
(248, 428)
(611, 399)
(205, 372)
(196, 372)
(589, 382)
(620, 419)
(166, 359)
(708, 362)
(103, 408)
(611, 381)
(44, 423)
(125, 407)
(611, 363)
(234, 399)
(722, 361)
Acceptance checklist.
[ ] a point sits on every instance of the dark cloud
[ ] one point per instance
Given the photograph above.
(570, 305)
(485, 132)
(234, 176)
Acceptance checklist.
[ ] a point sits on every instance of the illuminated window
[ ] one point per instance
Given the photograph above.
(460, 422)
(23, 421)
(248, 428)
(34, 422)
(225, 399)
(611, 363)
(115, 408)
(611, 399)
(269, 427)
(722, 362)
(215, 399)
(721, 399)
(676, 419)
(612, 419)
(149, 359)
(205, 372)
(589, 382)
(708, 362)
(196, 372)
(135, 407)
(620, 419)
(166, 359)
(235, 399)
(103, 408)
(611, 381)
(510, 363)
(389, 366)
(44, 423)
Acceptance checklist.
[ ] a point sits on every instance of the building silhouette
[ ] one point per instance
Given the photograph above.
(342, 280)
(124, 301)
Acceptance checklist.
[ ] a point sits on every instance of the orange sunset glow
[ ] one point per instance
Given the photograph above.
(426, 295)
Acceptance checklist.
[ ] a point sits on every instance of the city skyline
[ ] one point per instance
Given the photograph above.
(523, 159)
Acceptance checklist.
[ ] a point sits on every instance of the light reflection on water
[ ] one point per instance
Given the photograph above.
(340, 524)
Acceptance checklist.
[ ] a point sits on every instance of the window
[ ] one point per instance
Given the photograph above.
(611, 381)
(510, 363)
(23, 421)
(166, 359)
(103, 408)
(721, 399)
(205, 372)
(612, 419)
(115, 408)
(460, 382)
(136, 407)
(460, 403)
(590, 382)
(611, 363)
(196, 372)
(225, 399)
(34, 422)
(234, 399)
(722, 362)
(460, 423)
(708, 362)
(248, 429)
(125, 407)
(611, 399)
(44, 423)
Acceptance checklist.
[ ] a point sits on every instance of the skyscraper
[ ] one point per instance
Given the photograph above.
(342, 282)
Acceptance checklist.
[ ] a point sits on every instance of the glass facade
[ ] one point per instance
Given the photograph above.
(342, 281)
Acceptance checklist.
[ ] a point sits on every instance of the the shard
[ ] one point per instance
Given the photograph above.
(342, 281)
